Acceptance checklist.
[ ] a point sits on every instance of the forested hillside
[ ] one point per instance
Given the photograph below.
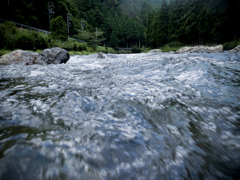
(194, 22)
(126, 23)
(119, 23)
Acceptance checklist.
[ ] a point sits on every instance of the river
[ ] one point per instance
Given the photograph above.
(128, 116)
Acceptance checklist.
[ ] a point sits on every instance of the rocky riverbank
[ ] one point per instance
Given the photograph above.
(199, 49)
(47, 56)
(58, 56)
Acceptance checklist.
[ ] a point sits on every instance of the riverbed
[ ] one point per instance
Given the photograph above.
(128, 116)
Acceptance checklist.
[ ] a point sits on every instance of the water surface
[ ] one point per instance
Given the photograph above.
(136, 116)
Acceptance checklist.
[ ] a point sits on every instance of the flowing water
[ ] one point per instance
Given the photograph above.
(135, 116)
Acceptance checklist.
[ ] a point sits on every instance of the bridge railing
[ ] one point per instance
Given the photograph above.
(26, 26)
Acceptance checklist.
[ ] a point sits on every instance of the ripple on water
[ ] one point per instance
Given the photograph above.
(136, 116)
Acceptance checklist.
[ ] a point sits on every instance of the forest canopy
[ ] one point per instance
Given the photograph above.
(194, 22)
(127, 23)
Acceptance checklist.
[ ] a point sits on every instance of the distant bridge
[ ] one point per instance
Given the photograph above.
(35, 29)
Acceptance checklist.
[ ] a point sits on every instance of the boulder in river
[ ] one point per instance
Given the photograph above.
(101, 56)
(54, 55)
(48, 56)
(201, 49)
(17, 56)
(236, 49)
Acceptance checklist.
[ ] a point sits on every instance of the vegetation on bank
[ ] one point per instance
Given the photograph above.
(230, 45)
(127, 23)
(173, 46)
(164, 24)
(12, 38)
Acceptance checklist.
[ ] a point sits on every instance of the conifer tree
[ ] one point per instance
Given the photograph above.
(58, 29)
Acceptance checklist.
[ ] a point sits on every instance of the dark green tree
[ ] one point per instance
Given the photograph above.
(58, 29)
(114, 41)
(162, 25)
(151, 30)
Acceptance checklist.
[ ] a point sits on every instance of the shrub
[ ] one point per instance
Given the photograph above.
(24, 42)
(8, 35)
(53, 43)
(135, 49)
(11, 28)
(172, 46)
(15, 38)
(175, 44)
(39, 40)
(3, 38)
(58, 29)
(71, 45)
(41, 43)
(230, 45)
(82, 47)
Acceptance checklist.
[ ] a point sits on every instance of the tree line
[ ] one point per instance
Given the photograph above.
(194, 22)
(127, 23)
(96, 21)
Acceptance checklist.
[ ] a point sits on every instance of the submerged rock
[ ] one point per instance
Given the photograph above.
(236, 49)
(48, 56)
(52, 56)
(17, 56)
(101, 56)
(201, 49)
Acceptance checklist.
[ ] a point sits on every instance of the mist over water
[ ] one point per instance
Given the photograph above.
(136, 116)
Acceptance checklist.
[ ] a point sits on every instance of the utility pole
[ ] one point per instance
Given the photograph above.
(68, 21)
(50, 10)
(83, 25)
(8, 3)
(96, 32)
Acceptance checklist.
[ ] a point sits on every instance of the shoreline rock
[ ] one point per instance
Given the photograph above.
(155, 51)
(17, 56)
(201, 49)
(47, 56)
(236, 49)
